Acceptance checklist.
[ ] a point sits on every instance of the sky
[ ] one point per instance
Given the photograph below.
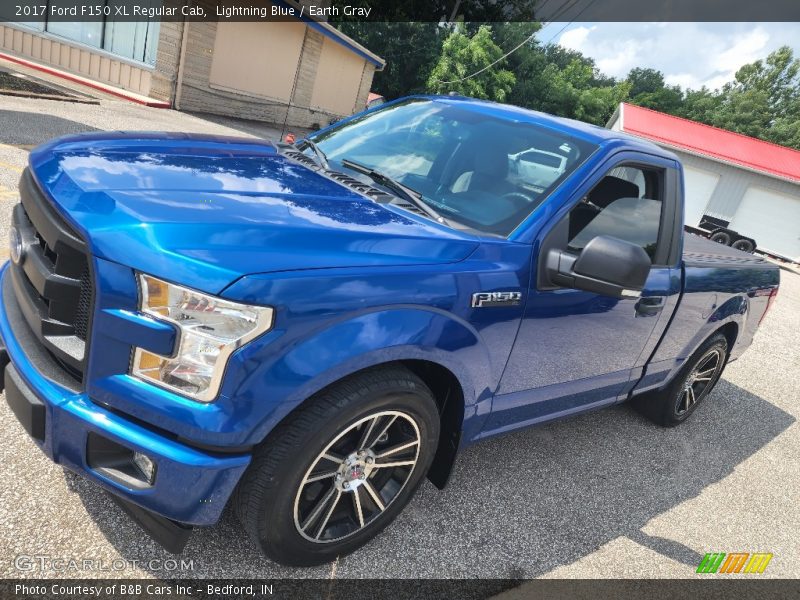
(689, 54)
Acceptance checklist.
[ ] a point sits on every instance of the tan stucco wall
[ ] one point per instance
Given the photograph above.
(258, 59)
(250, 75)
(338, 79)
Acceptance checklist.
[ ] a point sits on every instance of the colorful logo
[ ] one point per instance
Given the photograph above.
(735, 562)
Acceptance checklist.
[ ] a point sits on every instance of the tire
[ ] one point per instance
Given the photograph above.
(300, 499)
(744, 245)
(676, 403)
(721, 237)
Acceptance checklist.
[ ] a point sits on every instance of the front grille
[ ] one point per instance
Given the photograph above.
(52, 281)
(84, 311)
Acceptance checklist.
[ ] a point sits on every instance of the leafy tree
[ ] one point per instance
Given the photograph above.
(700, 105)
(466, 67)
(762, 101)
(645, 81)
(571, 92)
(647, 88)
(764, 98)
(777, 77)
(786, 130)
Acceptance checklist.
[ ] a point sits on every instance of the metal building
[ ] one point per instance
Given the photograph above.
(300, 71)
(752, 185)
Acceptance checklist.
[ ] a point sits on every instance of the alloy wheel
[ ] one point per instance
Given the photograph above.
(357, 476)
(699, 381)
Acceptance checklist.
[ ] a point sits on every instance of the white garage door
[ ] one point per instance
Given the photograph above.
(772, 220)
(699, 187)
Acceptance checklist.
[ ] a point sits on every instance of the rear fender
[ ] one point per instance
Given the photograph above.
(734, 310)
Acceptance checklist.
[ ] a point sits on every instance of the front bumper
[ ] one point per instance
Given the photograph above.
(190, 486)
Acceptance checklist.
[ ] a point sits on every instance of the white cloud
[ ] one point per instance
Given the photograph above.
(624, 57)
(576, 38)
(747, 49)
(689, 54)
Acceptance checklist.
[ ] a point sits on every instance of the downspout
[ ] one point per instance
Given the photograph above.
(181, 62)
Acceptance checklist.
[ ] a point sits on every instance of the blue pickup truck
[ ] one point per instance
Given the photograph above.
(306, 331)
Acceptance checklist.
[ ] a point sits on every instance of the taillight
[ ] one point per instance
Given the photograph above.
(773, 293)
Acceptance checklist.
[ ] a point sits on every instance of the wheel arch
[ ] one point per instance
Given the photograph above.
(427, 341)
(730, 329)
(731, 332)
(449, 395)
(448, 392)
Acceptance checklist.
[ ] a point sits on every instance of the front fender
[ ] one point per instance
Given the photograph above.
(287, 376)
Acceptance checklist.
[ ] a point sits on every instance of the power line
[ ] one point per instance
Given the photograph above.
(525, 41)
(489, 66)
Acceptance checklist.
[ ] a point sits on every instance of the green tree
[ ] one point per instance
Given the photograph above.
(786, 130)
(764, 99)
(645, 81)
(778, 77)
(648, 89)
(466, 66)
(700, 105)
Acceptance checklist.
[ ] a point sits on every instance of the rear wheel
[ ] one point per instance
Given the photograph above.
(744, 245)
(690, 387)
(341, 468)
(721, 237)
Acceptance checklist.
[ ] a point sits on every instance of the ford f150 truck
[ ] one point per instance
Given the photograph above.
(307, 331)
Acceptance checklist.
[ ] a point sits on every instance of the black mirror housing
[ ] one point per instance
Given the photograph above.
(606, 265)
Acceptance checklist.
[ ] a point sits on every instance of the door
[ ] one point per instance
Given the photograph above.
(576, 349)
(771, 219)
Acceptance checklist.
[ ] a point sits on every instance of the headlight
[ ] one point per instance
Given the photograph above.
(210, 330)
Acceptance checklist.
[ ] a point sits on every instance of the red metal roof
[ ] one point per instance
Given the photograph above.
(713, 142)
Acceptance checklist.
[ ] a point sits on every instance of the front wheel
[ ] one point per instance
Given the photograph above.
(341, 468)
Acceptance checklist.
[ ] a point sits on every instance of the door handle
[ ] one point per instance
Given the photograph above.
(649, 306)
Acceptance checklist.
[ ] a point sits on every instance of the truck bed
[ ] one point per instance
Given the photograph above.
(701, 252)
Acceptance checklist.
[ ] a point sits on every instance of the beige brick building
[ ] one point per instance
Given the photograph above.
(252, 70)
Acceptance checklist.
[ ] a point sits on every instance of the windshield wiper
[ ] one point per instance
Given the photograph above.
(323, 160)
(398, 188)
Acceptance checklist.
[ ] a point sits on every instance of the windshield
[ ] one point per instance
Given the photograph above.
(476, 170)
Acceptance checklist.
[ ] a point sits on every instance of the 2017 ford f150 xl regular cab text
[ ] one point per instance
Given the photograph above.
(307, 331)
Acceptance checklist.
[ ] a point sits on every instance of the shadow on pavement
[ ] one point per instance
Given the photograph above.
(28, 129)
(520, 505)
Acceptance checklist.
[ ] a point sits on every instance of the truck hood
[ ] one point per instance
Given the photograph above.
(204, 211)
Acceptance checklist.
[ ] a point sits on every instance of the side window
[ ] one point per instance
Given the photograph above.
(626, 204)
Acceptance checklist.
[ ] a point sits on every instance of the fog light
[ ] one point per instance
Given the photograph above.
(145, 465)
(15, 245)
(123, 465)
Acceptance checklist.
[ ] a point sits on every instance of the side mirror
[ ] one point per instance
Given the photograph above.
(606, 265)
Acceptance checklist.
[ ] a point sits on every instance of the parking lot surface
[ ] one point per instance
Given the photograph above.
(605, 494)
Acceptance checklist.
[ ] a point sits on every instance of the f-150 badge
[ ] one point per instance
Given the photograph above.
(488, 299)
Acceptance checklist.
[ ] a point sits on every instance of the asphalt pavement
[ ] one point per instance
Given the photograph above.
(605, 494)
